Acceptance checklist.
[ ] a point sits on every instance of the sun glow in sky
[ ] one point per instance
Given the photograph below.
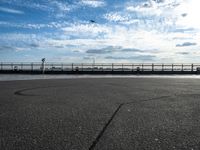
(108, 30)
(192, 17)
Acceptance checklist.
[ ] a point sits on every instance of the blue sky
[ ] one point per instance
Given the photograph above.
(158, 31)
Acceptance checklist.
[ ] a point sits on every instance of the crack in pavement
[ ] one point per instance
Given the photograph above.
(94, 143)
(104, 128)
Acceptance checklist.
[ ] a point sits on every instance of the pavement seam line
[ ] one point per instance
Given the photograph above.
(105, 127)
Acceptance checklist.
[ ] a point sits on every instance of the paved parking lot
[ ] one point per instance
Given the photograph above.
(104, 114)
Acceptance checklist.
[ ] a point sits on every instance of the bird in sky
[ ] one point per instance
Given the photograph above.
(92, 21)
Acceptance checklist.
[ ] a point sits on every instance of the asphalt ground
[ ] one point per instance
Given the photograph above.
(103, 114)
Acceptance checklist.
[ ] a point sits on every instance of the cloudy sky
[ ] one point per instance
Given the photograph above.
(105, 30)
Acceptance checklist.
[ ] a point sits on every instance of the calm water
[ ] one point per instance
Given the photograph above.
(11, 77)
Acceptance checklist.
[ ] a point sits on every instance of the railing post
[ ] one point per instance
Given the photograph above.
(132, 67)
(192, 67)
(1, 66)
(152, 67)
(172, 67)
(62, 66)
(82, 66)
(32, 67)
(112, 66)
(92, 66)
(142, 67)
(52, 67)
(21, 66)
(12, 66)
(122, 67)
(162, 67)
(182, 68)
(72, 67)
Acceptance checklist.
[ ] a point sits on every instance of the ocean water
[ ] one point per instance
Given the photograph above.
(12, 77)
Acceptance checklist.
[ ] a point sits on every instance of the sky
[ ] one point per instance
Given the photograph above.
(107, 31)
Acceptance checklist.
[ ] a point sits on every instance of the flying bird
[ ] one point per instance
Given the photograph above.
(92, 21)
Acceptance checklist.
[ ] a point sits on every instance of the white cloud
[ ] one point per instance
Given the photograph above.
(160, 46)
(114, 16)
(86, 30)
(60, 9)
(113, 35)
(56, 25)
(152, 7)
(148, 15)
(12, 11)
(54, 8)
(61, 6)
(93, 3)
(122, 18)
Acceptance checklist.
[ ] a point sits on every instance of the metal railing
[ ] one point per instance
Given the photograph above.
(99, 67)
